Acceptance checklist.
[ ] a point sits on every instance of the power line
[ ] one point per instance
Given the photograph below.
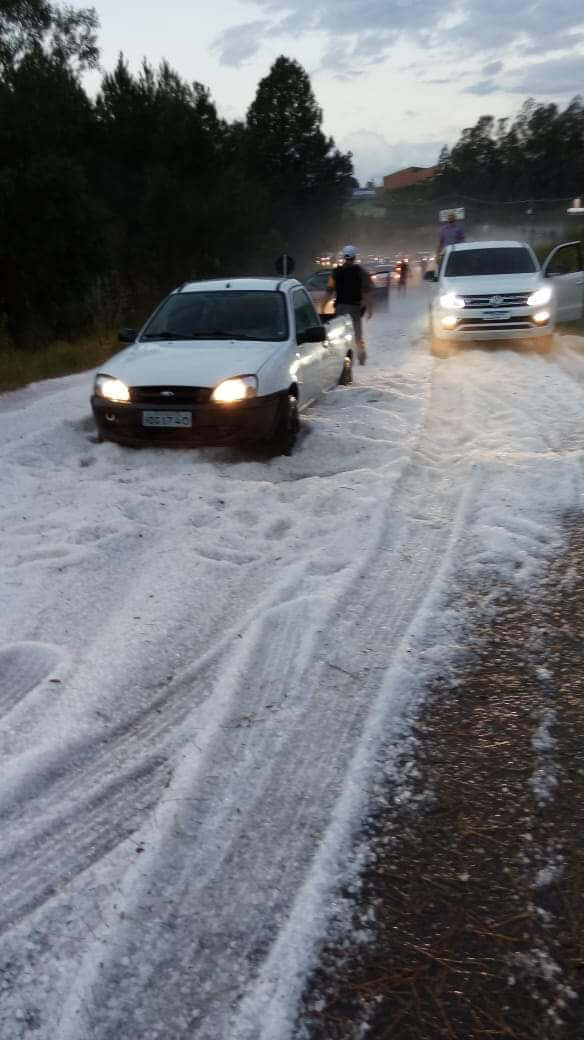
(513, 202)
(484, 202)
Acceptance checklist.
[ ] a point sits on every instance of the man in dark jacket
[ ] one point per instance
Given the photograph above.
(351, 286)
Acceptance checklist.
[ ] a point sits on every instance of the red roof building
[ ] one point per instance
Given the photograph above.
(406, 178)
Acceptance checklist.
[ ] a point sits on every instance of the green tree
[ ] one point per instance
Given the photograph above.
(287, 150)
(52, 243)
(64, 34)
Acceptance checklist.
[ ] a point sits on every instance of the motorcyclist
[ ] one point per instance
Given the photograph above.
(351, 285)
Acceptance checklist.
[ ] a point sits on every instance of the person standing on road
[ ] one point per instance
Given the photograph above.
(351, 285)
(404, 272)
(450, 234)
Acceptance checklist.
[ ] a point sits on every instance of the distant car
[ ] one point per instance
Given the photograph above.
(396, 267)
(325, 260)
(380, 275)
(497, 290)
(380, 278)
(317, 284)
(223, 362)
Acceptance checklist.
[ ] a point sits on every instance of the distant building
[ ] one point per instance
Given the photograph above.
(408, 177)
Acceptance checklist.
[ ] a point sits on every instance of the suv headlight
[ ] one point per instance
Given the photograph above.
(112, 389)
(540, 297)
(230, 391)
(450, 301)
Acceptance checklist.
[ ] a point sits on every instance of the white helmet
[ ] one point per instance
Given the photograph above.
(349, 252)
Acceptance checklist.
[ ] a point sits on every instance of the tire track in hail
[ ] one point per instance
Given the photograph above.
(73, 785)
(227, 880)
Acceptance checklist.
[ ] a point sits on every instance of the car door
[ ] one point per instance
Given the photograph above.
(311, 354)
(565, 269)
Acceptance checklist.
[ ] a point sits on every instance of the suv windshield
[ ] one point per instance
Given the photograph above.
(222, 314)
(465, 263)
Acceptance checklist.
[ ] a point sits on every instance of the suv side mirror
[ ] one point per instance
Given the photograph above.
(127, 335)
(314, 334)
(430, 276)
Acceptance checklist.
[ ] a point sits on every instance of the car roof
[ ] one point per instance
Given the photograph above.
(492, 244)
(243, 284)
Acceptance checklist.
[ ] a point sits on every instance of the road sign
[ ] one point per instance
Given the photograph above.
(458, 213)
(285, 264)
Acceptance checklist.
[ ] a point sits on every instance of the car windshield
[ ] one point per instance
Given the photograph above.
(464, 263)
(318, 281)
(220, 314)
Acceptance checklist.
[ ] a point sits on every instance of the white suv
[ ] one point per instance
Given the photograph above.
(498, 291)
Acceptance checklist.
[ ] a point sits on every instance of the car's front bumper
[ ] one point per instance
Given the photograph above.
(211, 424)
(479, 326)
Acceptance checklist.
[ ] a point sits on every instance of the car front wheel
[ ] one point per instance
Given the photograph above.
(545, 344)
(288, 425)
(440, 348)
(346, 377)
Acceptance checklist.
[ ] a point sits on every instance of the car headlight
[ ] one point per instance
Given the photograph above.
(232, 390)
(112, 389)
(540, 297)
(451, 301)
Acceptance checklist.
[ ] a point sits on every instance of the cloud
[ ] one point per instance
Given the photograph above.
(559, 76)
(338, 60)
(374, 156)
(239, 43)
(349, 59)
(484, 87)
(454, 30)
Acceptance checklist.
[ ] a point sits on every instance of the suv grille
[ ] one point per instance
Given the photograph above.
(170, 395)
(466, 324)
(515, 299)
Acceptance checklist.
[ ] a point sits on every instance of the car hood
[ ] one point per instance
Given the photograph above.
(492, 283)
(188, 362)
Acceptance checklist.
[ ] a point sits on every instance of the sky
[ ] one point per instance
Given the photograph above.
(396, 79)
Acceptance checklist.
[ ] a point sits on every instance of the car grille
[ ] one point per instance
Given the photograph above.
(170, 395)
(470, 324)
(516, 299)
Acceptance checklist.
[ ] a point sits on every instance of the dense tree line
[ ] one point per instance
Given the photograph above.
(540, 154)
(106, 203)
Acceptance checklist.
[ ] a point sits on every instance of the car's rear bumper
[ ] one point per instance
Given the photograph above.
(212, 424)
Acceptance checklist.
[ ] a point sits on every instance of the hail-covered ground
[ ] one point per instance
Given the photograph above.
(203, 651)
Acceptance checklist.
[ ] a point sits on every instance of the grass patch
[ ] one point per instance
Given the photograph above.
(472, 899)
(20, 367)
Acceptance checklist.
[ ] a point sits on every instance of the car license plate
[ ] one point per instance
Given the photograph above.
(497, 315)
(166, 420)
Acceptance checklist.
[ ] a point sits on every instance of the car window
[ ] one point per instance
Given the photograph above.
(318, 281)
(567, 260)
(466, 263)
(304, 312)
(223, 314)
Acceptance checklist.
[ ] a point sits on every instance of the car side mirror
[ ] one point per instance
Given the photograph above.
(127, 335)
(430, 276)
(314, 334)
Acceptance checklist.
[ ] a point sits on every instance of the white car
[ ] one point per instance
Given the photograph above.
(498, 291)
(223, 362)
